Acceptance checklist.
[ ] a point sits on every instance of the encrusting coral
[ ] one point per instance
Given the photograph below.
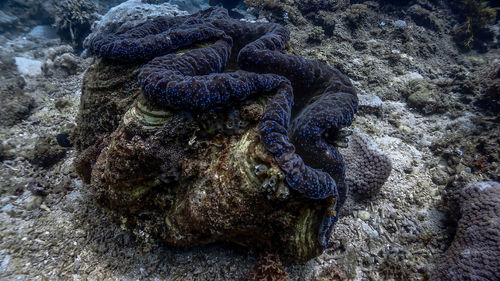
(194, 81)
(475, 251)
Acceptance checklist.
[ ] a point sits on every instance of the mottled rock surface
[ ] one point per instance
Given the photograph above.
(47, 152)
(129, 14)
(7, 21)
(15, 105)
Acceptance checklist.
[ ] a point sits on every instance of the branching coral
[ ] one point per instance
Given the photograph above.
(73, 20)
(194, 80)
(477, 15)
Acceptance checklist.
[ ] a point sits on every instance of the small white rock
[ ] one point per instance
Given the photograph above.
(43, 32)
(364, 215)
(404, 129)
(399, 23)
(28, 67)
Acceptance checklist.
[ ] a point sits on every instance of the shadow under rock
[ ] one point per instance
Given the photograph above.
(118, 251)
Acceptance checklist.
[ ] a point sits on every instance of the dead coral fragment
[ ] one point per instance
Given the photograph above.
(269, 268)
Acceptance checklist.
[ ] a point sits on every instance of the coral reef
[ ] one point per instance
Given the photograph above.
(475, 251)
(473, 32)
(295, 10)
(425, 97)
(484, 88)
(309, 105)
(4, 152)
(367, 166)
(424, 17)
(18, 14)
(191, 6)
(61, 62)
(278, 11)
(399, 233)
(473, 159)
(73, 20)
(356, 15)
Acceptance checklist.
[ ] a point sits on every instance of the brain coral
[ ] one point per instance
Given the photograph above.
(309, 101)
(474, 253)
(367, 166)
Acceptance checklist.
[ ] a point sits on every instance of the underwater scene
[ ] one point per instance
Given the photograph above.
(250, 140)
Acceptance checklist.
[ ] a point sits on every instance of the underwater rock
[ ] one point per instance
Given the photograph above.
(316, 35)
(370, 104)
(424, 17)
(20, 16)
(28, 67)
(43, 32)
(63, 140)
(191, 155)
(299, 11)
(7, 21)
(278, 11)
(131, 13)
(479, 153)
(485, 86)
(425, 97)
(4, 152)
(356, 15)
(47, 152)
(474, 253)
(61, 61)
(192, 6)
(269, 267)
(15, 105)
